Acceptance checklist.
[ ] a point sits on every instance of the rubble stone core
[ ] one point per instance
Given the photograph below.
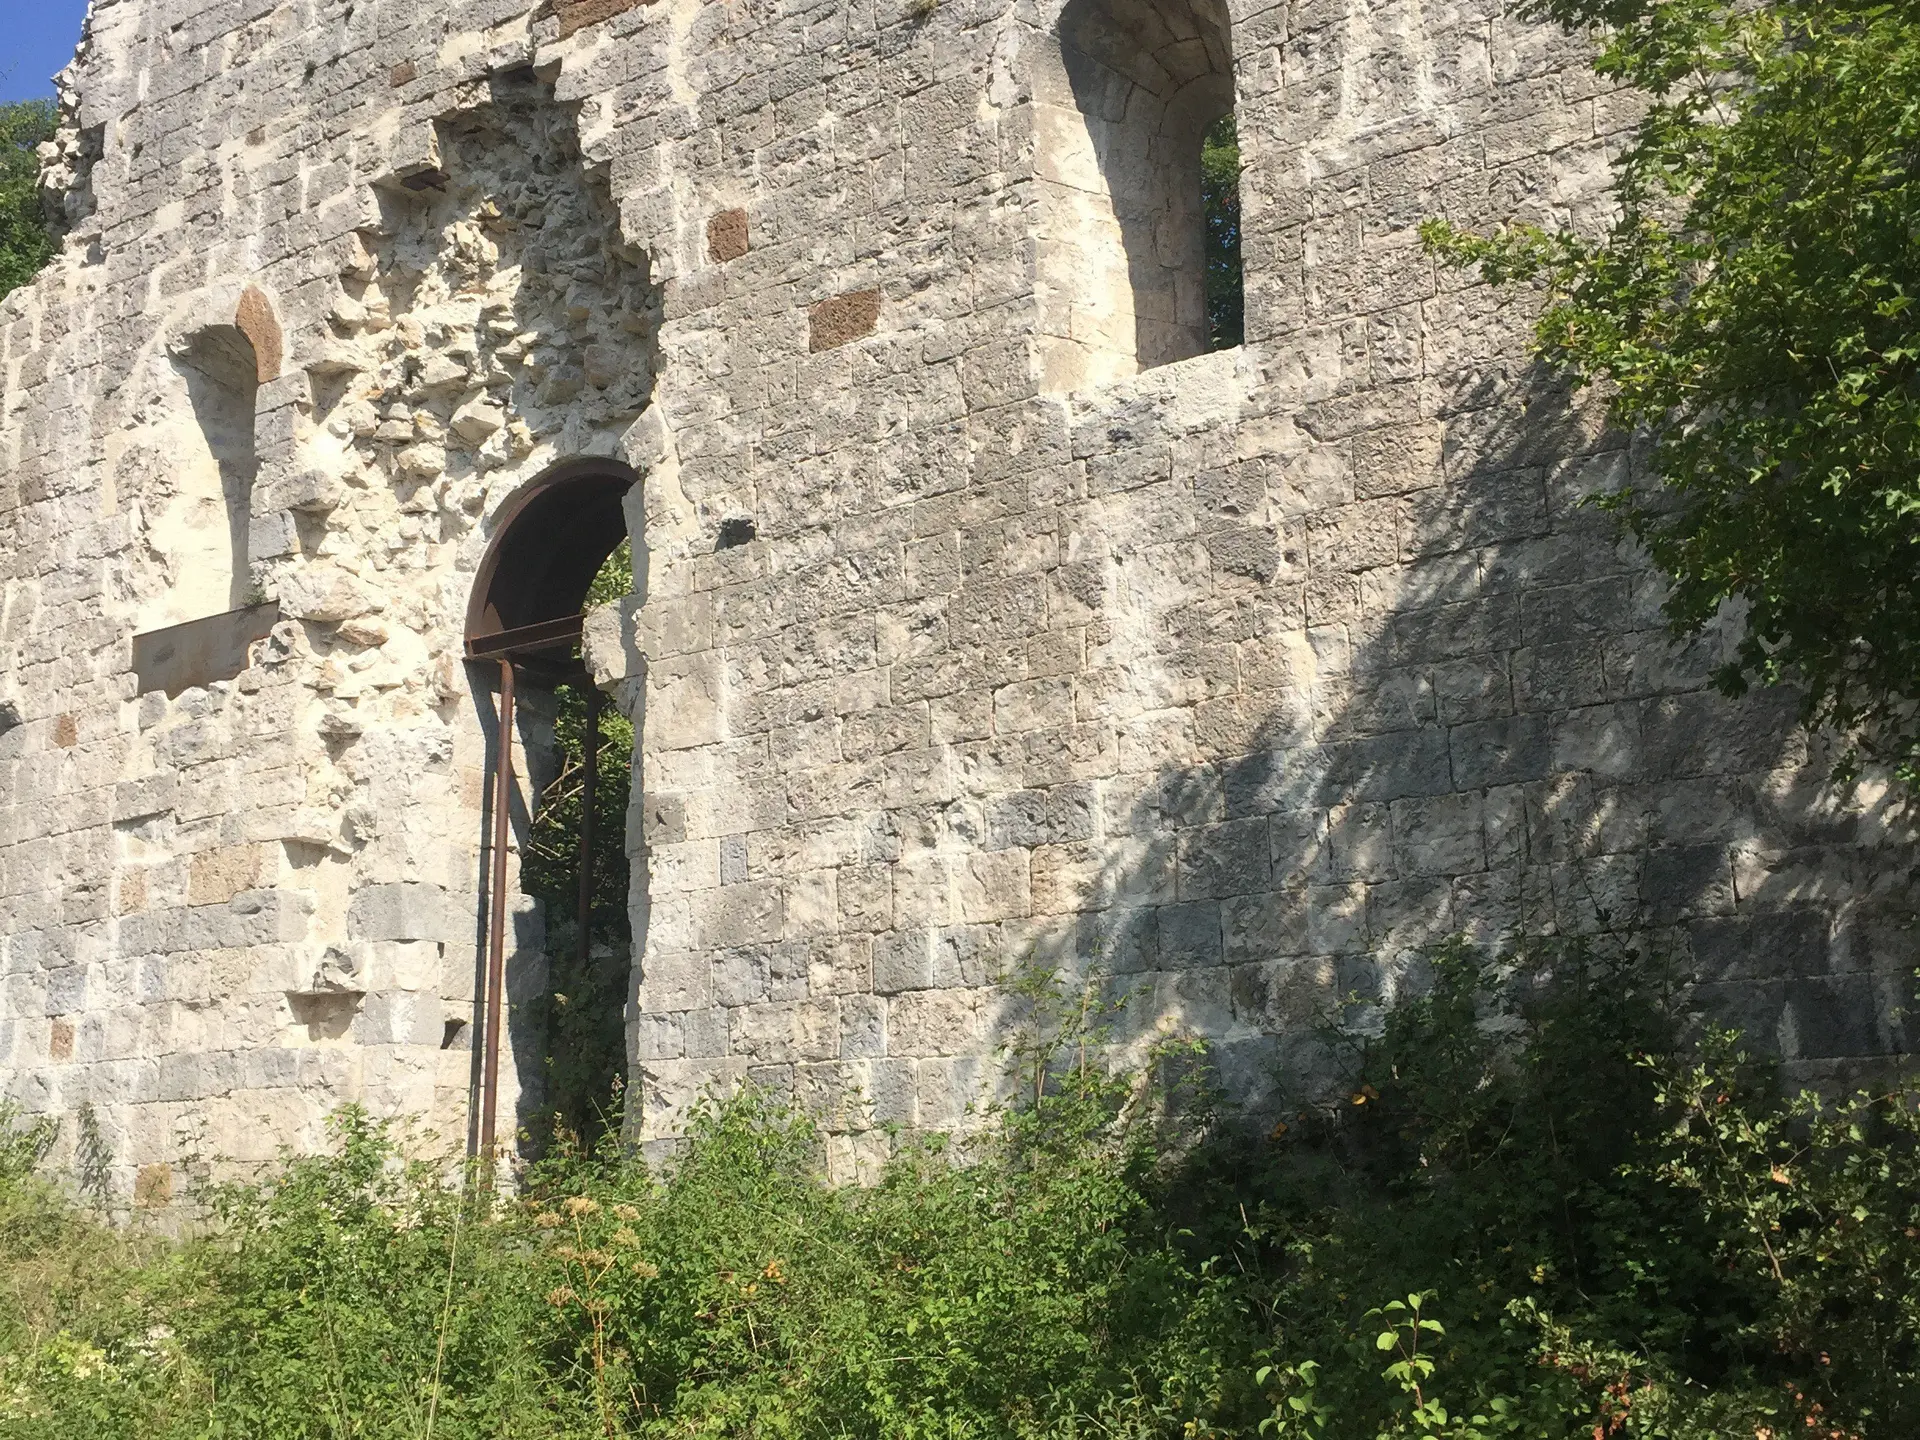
(977, 616)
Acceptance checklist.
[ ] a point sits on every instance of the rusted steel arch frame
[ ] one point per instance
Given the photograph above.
(550, 540)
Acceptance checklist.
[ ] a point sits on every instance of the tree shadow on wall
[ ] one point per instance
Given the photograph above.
(1471, 721)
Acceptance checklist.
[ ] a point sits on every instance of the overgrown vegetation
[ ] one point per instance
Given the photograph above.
(585, 1003)
(1752, 307)
(1531, 1211)
(25, 242)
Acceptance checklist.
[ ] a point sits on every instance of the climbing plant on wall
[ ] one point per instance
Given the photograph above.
(25, 242)
(1750, 307)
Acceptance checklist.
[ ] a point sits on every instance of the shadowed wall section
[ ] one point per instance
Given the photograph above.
(191, 458)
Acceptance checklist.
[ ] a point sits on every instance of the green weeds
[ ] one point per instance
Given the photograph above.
(1533, 1208)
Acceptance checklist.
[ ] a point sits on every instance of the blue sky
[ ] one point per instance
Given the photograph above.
(36, 38)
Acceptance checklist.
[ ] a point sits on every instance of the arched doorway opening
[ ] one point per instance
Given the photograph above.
(553, 542)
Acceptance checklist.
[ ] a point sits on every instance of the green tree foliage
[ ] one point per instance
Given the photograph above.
(1533, 1211)
(585, 1006)
(1752, 308)
(1220, 201)
(25, 244)
(1588, 1205)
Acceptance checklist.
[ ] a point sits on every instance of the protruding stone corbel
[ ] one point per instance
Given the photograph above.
(339, 972)
(414, 161)
(332, 996)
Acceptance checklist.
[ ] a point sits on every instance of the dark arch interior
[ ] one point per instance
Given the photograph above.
(550, 543)
(566, 1031)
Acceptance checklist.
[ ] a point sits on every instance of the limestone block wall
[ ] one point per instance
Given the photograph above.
(1244, 675)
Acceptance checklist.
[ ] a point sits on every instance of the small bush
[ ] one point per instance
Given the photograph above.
(1532, 1155)
(1533, 1209)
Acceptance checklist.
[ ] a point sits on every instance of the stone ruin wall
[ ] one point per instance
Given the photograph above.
(1247, 674)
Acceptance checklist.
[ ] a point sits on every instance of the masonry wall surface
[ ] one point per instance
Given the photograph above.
(1246, 676)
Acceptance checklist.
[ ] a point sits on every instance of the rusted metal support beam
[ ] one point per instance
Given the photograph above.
(562, 634)
(497, 923)
(588, 785)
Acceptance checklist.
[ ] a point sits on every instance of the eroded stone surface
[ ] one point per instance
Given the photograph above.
(254, 318)
(578, 14)
(956, 643)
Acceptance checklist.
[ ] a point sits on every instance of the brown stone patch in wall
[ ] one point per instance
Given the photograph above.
(727, 236)
(153, 1186)
(219, 875)
(578, 14)
(60, 1040)
(254, 316)
(66, 731)
(842, 318)
(133, 892)
(405, 73)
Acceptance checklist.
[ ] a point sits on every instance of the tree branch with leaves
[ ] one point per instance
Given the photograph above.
(26, 244)
(1751, 309)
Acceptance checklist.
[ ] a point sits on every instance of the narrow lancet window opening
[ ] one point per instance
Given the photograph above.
(1137, 260)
